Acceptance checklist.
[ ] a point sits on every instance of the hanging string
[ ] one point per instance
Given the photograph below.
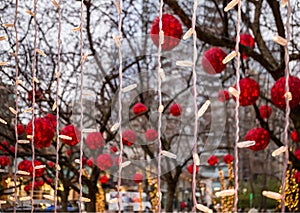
(195, 55)
(81, 104)
(160, 104)
(57, 105)
(16, 107)
(287, 108)
(236, 154)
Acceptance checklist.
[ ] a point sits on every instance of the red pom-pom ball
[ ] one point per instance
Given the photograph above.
(175, 109)
(151, 135)
(95, 140)
(20, 129)
(138, 178)
(297, 154)
(128, 137)
(104, 161)
(12, 148)
(4, 161)
(113, 149)
(191, 167)
(260, 136)
(139, 108)
(51, 164)
(297, 177)
(26, 166)
(103, 179)
(52, 119)
(228, 158)
(212, 160)
(265, 111)
(26, 188)
(223, 95)
(294, 136)
(72, 132)
(248, 41)
(249, 91)
(172, 31)
(90, 162)
(278, 92)
(43, 132)
(212, 60)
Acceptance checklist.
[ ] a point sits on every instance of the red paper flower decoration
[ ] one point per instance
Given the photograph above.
(265, 111)
(73, 132)
(294, 136)
(138, 178)
(26, 166)
(20, 129)
(104, 161)
(260, 136)
(139, 108)
(128, 137)
(151, 135)
(249, 91)
(223, 95)
(51, 164)
(113, 149)
(52, 119)
(38, 95)
(297, 177)
(95, 140)
(228, 158)
(26, 188)
(175, 109)
(117, 160)
(191, 168)
(172, 31)
(297, 154)
(43, 132)
(90, 162)
(278, 92)
(212, 160)
(212, 60)
(4, 161)
(248, 41)
(103, 179)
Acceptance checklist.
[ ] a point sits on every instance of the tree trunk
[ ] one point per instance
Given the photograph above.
(91, 206)
(170, 196)
(64, 199)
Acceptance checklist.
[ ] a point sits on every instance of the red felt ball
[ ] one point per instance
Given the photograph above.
(26, 166)
(249, 91)
(172, 31)
(51, 164)
(223, 95)
(248, 41)
(151, 135)
(128, 137)
(52, 119)
(38, 95)
(43, 132)
(294, 136)
(104, 161)
(103, 179)
(27, 188)
(73, 132)
(117, 160)
(139, 108)
(297, 177)
(228, 158)
(260, 136)
(138, 178)
(4, 161)
(20, 129)
(278, 92)
(113, 149)
(175, 109)
(212, 60)
(90, 162)
(297, 154)
(95, 140)
(265, 111)
(212, 160)
(190, 168)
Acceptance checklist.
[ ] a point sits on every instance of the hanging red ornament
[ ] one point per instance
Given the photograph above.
(26, 166)
(73, 132)
(43, 132)
(212, 60)
(103, 179)
(190, 168)
(138, 178)
(175, 109)
(38, 95)
(260, 136)
(20, 129)
(113, 149)
(297, 177)
(4, 161)
(104, 161)
(297, 154)
(172, 31)
(228, 158)
(95, 140)
(151, 135)
(27, 188)
(278, 92)
(294, 136)
(249, 91)
(128, 137)
(90, 162)
(248, 41)
(4, 144)
(51, 164)
(223, 95)
(117, 160)
(265, 111)
(139, 108)
(212, 160)
(52, 119)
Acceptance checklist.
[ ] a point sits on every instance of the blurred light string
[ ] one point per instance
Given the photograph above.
(33, 103)
(195, 55)
(57, 105)
(160, 104)
(287, 108)
(16, 107)
(81, 103)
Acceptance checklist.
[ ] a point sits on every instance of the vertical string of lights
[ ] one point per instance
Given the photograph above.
(160, 108)
(287, 109)
(16, 107)
(57, 5)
